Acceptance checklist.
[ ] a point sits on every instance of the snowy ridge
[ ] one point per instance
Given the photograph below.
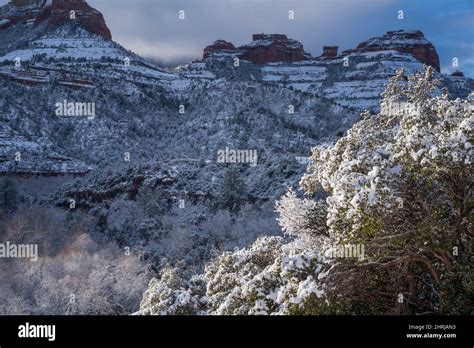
(68, 42)
(224, 105)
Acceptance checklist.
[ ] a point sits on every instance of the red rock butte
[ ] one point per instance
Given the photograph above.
(269, 48)
(55, 13)
(220, 46)
(265, 48)
(412, 42)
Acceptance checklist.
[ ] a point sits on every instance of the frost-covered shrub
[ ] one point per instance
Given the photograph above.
(401, 183)
(172, 294)
(415, 137)
(301, 217)
(270, 277)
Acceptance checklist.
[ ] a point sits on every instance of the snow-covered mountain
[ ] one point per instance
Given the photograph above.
(354, 79)
(173, 164)
(270, 96)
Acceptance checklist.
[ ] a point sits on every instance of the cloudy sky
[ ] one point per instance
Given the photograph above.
(152, 28)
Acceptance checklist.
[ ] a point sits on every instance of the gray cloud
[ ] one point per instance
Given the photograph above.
(153, 27)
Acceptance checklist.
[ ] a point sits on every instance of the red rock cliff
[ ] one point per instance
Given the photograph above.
(405, 41)
(268, 48)
(56, 13)
(220, 46)
(265, 48)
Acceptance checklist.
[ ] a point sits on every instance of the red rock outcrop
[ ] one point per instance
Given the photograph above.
(88, 17)
(412, 42)
(268, 48)
(56, 12)
(220, 46)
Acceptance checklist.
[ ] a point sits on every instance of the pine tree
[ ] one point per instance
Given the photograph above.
(8, 195)
(233, 191)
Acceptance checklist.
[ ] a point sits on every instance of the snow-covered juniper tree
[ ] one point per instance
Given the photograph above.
(399, 184)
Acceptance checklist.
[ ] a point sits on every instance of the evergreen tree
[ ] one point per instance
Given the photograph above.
(233, 191)
(8, 195)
